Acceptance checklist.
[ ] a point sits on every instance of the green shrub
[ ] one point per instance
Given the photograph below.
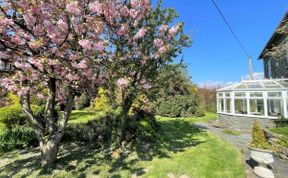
(102, 101)
(12, 115)
(82, 102)
(17, 137)
(177, 106)
(258, 137)
(281, 122)
(200, 111)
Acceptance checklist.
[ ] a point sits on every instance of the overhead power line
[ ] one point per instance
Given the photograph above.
(230, 28)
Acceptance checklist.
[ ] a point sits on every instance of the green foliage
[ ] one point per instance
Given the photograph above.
(82, 102)
(12, 115)
(102, 101)
(200, 111)
(178, 106)
(258, 137)
(17, 137)
(231, 132)
(96, 131)
(281, 122)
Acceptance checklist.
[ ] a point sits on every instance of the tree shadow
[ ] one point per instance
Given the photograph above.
(174, 136)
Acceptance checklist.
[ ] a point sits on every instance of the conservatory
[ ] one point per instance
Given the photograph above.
(254, 98)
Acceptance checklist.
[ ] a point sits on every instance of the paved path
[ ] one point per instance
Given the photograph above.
(280, 167)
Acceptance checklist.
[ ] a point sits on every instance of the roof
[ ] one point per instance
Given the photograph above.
(274, 37)
(258, 85)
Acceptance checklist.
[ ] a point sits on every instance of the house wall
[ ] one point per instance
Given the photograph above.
(276, 68)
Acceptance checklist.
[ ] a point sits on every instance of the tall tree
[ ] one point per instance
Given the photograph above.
(52, 45)
(144, 40)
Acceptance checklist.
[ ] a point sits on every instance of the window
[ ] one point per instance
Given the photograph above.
(257, 107)
(227, 94)
(220, 94)
(221, 105)
(240, 106)
(256, 94)
(275, 107)
(240, 94)
(274, 94)
(228, 105)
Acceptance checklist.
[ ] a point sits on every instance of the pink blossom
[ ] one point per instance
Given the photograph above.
(73, 8)
(100, 46)
(96, 7)
(81, 65)
(163, 50)
(62, 25)
(142, 32)
(122, 30)
(163, 29)
(174, 30)
(124, 11)
(17, 40)
(134, 13)
(134, 3)
(122, 82)
(158, 43)
(7, 21)
(147, 86)
(86, 44)
(73, 57)
(29, 19)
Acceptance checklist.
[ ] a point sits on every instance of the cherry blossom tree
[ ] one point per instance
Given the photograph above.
(55, 48)
(144, 40)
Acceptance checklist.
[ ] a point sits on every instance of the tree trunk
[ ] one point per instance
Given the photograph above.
(126, 105)
(49, 150)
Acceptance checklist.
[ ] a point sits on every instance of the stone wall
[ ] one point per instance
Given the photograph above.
(243, 124)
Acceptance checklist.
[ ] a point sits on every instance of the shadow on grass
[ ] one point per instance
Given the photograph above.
(76, 159)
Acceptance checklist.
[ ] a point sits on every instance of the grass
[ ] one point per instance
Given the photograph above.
(78, 116)
(209, 116)
(231, 132)
(281, 130)
(186, 150)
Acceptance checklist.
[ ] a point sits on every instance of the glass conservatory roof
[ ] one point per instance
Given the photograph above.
(258, 85)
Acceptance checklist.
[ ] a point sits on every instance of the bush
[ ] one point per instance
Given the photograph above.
(200, 111)
(102, 101)
(12, 116)
(17, 137)
(95, 131)
(177, 106)
(281, 122)
(82, 102)
(258, 137)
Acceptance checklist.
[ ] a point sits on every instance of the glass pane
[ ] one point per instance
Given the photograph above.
(227, 94)
(240, 106)
(284, 83)
(221, 105)
(240, 94)
(228, 105)
(256, 94)
(275, 107)
(270, 85)
(254, 85)
(257, 107)
(241, 86)
(274, 94)
(220, 94)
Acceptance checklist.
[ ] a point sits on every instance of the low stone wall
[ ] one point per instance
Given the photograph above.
(243, 124)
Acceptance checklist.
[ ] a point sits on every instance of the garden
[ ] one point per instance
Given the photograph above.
(93, 89)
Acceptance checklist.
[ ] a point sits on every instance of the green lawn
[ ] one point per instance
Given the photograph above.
(187, 150)
(208, 117)
(78, 116)
(281, 130)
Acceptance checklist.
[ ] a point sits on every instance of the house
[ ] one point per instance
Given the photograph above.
(276, 66)
(266, 98)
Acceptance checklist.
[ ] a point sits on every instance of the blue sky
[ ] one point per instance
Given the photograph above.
(214, 54)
